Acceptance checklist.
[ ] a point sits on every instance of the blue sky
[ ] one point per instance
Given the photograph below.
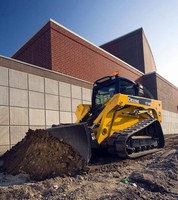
(98, 21)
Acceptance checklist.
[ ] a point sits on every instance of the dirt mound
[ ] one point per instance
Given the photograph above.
(41, 156)
(154, 176)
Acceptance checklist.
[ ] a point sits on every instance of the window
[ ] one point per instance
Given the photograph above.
(103, 94)
(127, 87)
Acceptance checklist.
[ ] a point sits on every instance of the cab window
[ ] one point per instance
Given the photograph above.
(127, 87)
(103, 94)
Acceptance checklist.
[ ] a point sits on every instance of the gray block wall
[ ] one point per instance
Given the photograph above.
(31, 101)
(169, 122)
(32, 97)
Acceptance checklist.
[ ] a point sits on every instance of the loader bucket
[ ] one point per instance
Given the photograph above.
(76, 135)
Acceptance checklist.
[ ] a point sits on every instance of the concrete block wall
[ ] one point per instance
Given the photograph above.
(170, 122)
(31, 101)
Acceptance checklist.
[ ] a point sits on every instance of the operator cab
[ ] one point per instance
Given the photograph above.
(105, 88)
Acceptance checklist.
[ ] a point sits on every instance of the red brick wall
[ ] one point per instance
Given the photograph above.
(175, 100)
(56, 48)
(74, 56)
(168, 94)
(37, 50)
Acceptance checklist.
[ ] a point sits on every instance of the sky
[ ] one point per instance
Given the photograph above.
(98, 21)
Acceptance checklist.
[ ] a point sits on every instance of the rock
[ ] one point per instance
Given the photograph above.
(55, 187)
(134, 184)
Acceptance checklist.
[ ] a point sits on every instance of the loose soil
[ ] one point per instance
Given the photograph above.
(154, 176)
(41, 156)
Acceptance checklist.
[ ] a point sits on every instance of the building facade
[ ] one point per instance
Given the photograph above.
(47, 78)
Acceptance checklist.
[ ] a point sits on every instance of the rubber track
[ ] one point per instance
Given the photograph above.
(116, 144)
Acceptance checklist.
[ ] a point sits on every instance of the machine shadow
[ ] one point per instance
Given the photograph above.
(101, 157)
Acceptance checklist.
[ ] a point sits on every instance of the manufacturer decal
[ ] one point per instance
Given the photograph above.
(138, 100)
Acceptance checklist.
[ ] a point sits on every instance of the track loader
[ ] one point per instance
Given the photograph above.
(123, 118)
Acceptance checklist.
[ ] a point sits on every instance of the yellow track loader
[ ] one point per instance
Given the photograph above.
(121, 119)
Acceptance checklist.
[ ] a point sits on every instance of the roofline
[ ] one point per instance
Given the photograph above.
(95, 45)
(125, 35)
(167, 81)
(30, 38)
(143, 35)
(162, 77)
(41, 68)
(51, 20)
